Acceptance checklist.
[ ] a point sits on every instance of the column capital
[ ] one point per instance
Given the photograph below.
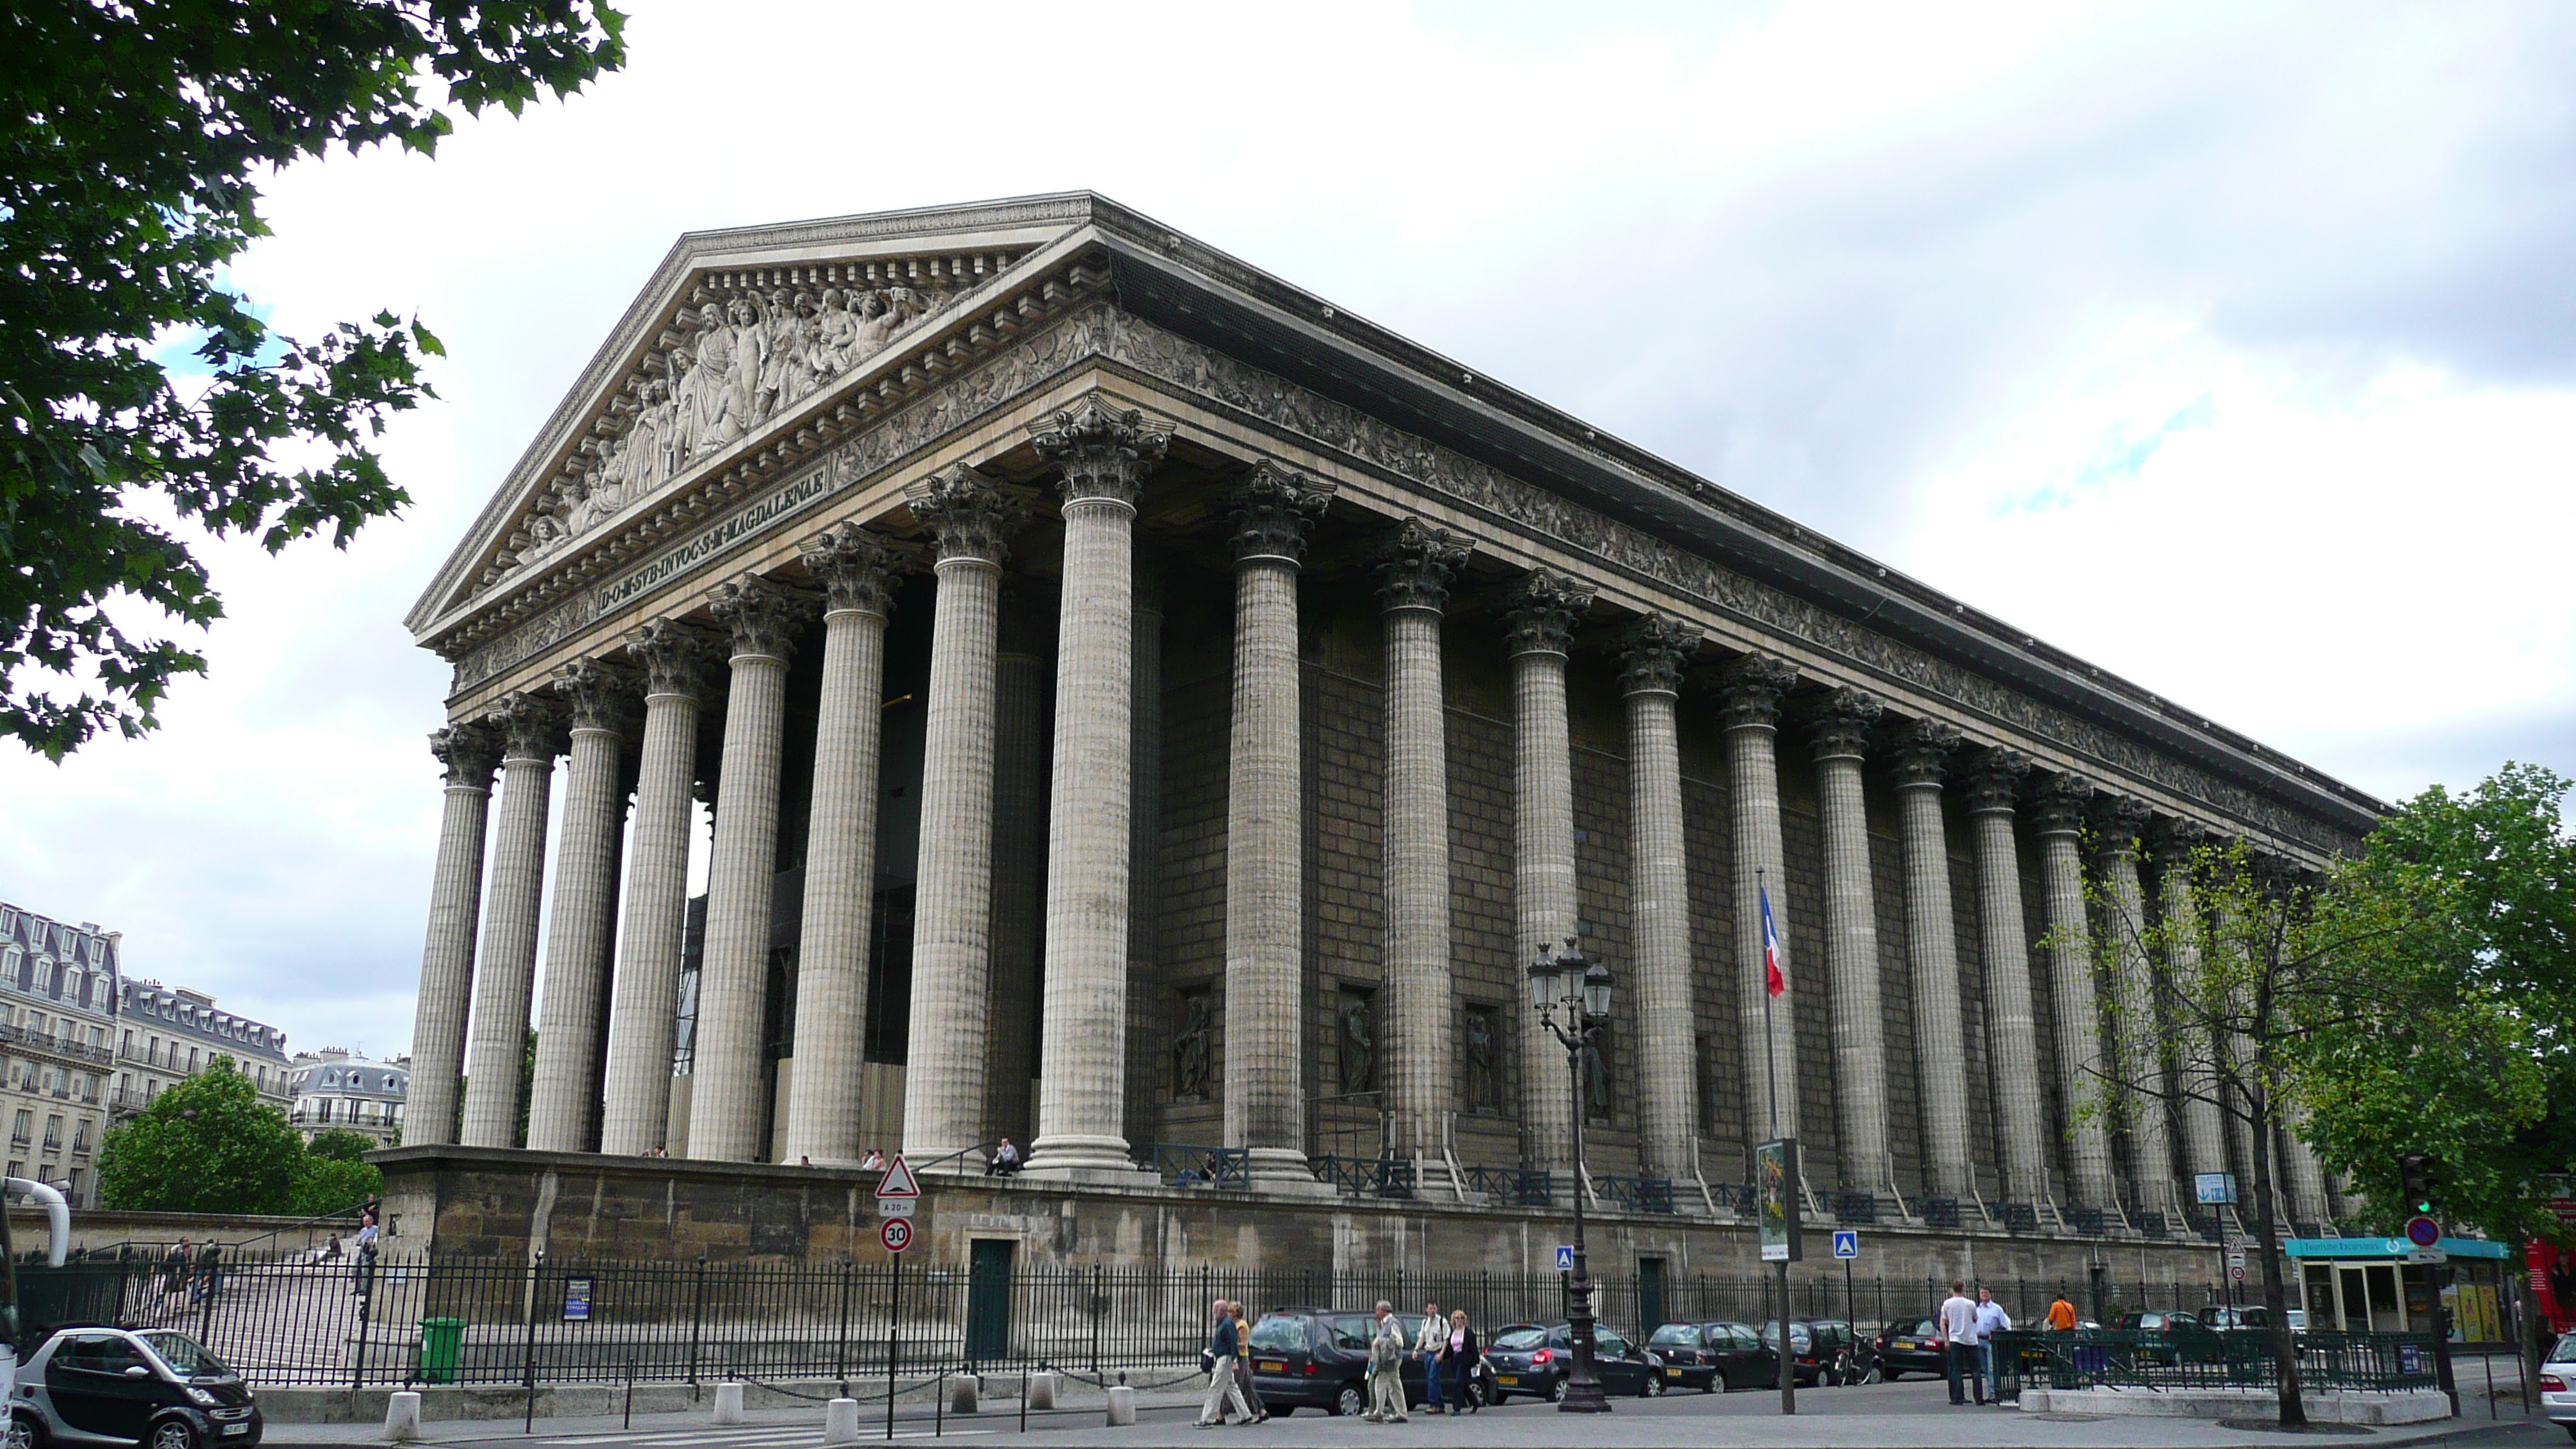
(1543, 611)
(596, 694)
(2173, 839)
(1102, 453)
(1652, 654)
(1273, 509)
(673, 654)
(856, 568)
(469, 752)
(1843, 725)
(1919, 753)
(1753, 690)
(531, 726)
(1994, 781)
(1416, 565)
(762, 615)
(2058, 806)
(972, 516)
(2118, 822)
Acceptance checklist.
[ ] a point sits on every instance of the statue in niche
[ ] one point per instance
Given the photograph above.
(1596, 1079)
(1193, 1049)
(1484, 1080)
(1358, 1042)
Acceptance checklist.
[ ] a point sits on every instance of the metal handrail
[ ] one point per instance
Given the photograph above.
(1227, 1167)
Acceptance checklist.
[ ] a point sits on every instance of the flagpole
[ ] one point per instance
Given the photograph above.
(1770, 1037)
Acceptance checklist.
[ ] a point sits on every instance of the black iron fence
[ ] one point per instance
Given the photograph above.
(487, 1321)
(2208, 1359)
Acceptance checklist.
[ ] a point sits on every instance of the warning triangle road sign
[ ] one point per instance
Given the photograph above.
(898, 1180)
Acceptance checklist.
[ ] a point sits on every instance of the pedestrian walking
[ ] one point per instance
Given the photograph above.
(175, 1269)
(1991, 1320)
(1386, 1369)
(1243, 1362)
(1218, 1360)
(362, 1269)
(1959, 1342)
(210, 1273)
(1427, 1345)
(2061, 1315)
(1463, 1357)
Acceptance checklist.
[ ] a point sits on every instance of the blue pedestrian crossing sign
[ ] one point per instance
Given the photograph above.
(1846, 1242)
(1564, 1259)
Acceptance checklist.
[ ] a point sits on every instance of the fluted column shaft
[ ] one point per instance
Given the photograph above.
(1415, 574)
(1543, 891)
(728, 1098)
(496, 1058)
(447, 956)
(1851, 947)
(1769, 1025)
(2204, 1129)
(2080, 1074)
(1932, 952)
(2305, 1175)
(944, 1070)
(641, 1020)
(1652, 655)
(2012, 1028)
(2136, 1055)
(577, 938)
(1104, 455)
(840, 852)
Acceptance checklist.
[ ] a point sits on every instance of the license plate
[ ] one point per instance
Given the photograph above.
(1672, 1373)
(236, 1428)
(1272, 1366)
(1507, 1378)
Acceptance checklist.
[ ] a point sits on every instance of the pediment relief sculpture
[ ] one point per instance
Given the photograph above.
(743, 347)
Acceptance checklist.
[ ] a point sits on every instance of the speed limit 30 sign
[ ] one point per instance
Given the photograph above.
(895, 1233)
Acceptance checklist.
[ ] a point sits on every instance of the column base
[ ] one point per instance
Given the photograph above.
(1284, 1172)
(1099, 1160)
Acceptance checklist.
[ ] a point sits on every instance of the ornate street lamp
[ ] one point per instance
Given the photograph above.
(1564, 981)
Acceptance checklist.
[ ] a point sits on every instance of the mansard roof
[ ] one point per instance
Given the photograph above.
(972, 269)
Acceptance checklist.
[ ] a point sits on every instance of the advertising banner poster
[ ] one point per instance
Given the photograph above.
(1775, 1180)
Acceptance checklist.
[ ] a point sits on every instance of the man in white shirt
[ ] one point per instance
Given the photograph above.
(1991, 1320)
(1959, 1341)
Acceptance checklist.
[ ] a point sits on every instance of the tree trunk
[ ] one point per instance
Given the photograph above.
(2276, 1292)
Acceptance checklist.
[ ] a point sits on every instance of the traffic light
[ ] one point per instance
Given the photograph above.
(2415, 1174)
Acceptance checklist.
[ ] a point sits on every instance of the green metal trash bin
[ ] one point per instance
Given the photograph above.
(442, 1343)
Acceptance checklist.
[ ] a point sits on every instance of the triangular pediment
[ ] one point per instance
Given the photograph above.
(738, 334)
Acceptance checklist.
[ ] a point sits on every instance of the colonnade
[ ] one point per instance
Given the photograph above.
(619, 986)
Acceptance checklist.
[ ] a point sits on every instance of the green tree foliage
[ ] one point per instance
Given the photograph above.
(2459, 1041)
(335, 1176)
(131, 135)
(207, 1144)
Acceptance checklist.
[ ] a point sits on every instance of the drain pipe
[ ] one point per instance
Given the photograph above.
(58, 1216)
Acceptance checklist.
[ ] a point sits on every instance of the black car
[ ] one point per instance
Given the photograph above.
(1822, 1347)
(1911, 1346)
(2170, 1338)
(1317, 1358)
(151, 1387)
(1710, 1356)
(1528, 1360)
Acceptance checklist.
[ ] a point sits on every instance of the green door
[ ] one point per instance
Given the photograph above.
(988, 1300)
(1650, 1295)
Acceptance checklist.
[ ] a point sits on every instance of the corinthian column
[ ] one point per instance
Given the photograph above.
(1752, 719)
(1652, 655)
(840, 850)
(577, 940)
(447, 957)
(1102, 455)
(1851, 944)
(1265, 1103)
(1918, 760)
(729, 1099)
(641, 1017)
(2176, 844)
(943, 1079)
(2012, 1027)
(2057, 818)
(2136, 1058)
(1542, 617)
(496, 1059)
(1413, 589)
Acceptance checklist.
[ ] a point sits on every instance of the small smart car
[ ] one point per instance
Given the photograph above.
(147, 1387)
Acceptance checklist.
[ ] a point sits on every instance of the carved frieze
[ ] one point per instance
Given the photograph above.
(1653, 652)
(1273, 509)
(1544, 609)
(1416, 565)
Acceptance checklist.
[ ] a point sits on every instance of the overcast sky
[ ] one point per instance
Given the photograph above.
(2229, 347)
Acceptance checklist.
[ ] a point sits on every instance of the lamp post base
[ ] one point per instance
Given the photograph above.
(1584, 1398)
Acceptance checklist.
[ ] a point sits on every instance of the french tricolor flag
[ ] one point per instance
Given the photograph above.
(1772, 979)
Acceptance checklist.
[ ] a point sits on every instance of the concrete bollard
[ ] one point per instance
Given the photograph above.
(841, 1422)
(961, 1394)
(402, 1416)
(1041, 1391)
(728, 1403)
(1122, 1406)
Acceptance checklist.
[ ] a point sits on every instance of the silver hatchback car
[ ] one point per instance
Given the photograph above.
(151, 1387)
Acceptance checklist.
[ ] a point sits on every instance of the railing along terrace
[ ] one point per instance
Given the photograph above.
(1636, 1194)
(1390, 1177)
(1513, 1186)
(2209, 1359)
(1855, 1208)
(1183, 1165)
(302, 1320)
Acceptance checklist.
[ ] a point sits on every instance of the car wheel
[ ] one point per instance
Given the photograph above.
(173, 1433)
(1556, 1391)
(1653, 1387)
(24, 1432)
(1350, 1403)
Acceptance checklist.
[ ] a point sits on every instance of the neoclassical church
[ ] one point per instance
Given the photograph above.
(1153, 716)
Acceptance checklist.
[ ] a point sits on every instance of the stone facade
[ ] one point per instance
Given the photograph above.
(1369, 679)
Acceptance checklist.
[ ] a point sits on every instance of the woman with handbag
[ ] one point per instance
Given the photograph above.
(1462, 1360)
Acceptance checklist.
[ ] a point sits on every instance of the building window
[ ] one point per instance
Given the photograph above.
(80, 1135)
(53, 1134)
(325, 1114)
(79, 1177)
(21, 1130)
(128, 1048)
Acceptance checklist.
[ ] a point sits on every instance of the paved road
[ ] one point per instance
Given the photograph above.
(1906, 1414)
